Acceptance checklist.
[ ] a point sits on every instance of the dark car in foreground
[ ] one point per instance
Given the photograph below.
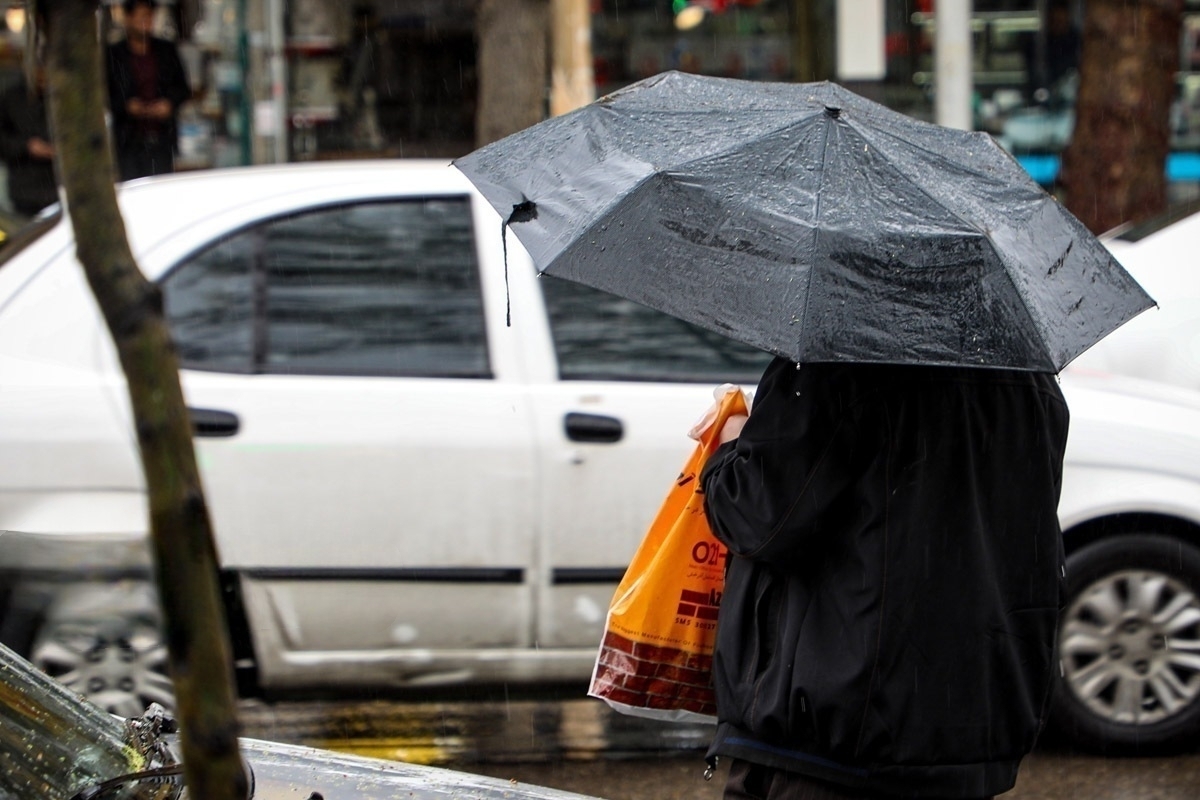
(56, 745)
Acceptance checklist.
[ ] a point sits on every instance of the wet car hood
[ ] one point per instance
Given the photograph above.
(289, 771)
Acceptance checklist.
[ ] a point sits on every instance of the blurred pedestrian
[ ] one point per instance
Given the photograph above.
(146, 85)
(889, 616)
(25, 145)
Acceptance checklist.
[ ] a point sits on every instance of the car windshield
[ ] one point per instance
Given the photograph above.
(1140, 230)
(14, 243)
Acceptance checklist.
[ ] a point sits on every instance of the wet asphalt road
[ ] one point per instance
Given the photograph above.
(1043, 776)
(580, 746)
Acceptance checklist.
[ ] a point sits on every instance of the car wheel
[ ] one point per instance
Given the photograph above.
(105, 643)
(1129, 644)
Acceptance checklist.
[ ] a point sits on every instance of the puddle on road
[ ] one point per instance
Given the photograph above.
(461, 732)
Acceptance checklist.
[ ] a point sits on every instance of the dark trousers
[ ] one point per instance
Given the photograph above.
(140, 157)
(749, 781)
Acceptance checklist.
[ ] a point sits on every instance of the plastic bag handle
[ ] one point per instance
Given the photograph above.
(729, 401)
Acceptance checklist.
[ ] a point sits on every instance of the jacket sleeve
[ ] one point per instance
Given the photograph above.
(174, 86)
(117, 80)
(768, 493)
(13, 142)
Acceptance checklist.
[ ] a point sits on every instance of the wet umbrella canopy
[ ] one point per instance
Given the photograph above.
(809, 222)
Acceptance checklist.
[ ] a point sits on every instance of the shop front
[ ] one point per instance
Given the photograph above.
(391, 78)
(1025, 60)
(295, 80)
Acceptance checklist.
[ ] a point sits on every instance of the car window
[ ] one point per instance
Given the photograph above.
(209, 305)
(388, 288)
(598, 336)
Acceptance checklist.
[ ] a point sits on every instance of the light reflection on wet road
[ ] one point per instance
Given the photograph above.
(443, 733)
(581, 746)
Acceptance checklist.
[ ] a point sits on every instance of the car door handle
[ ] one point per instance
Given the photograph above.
(212, 423)
(594, 428)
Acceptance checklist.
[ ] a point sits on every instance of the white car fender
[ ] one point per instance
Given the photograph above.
(1092, 492)
(1131, 449)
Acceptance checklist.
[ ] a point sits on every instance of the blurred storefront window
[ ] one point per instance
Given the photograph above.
(634, 39)
(293, 80)
(373, 79)
(210, 37)
(1026, 57)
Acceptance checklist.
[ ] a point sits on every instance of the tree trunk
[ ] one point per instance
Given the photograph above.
(181, 539)
(512, 38)
(1113, 170)
(813, 52)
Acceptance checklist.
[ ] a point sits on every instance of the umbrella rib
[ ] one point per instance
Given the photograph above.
(740, 145)
(733, 147)
(816, 225)
(869, 134)
(882, 153)
(986, 233)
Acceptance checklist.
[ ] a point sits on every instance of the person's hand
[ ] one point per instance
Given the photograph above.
(159, 110)
(135, 107)
(732, 428)
(39, 148)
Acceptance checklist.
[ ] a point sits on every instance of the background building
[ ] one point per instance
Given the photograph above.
(321, 79)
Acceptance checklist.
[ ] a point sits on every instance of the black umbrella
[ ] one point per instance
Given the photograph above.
(810, 222)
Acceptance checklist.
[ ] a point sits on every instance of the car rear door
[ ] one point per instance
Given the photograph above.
(367, 463)
(612, 420)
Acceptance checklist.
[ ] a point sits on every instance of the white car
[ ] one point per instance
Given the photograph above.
(427, 466)
(1162, 344)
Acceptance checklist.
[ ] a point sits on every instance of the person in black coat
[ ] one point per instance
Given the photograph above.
(889, 615)
(146, 85)
(25, 146)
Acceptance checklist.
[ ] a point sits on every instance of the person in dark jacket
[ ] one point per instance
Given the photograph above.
(146, 85)
(25, 145)
(888, 622)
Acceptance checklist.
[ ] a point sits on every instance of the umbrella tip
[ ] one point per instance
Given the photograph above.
(523, 211)
(833, 112)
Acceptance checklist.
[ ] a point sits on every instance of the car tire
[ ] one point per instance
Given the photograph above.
(105, 642)
(1129, 646)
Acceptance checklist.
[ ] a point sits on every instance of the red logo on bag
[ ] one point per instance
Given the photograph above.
(709, 553)
(701, 605)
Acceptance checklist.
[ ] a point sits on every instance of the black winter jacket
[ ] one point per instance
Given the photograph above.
(31, 181)
(889, 613)
(172, 85)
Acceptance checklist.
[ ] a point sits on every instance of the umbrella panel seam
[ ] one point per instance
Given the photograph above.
(984, 232)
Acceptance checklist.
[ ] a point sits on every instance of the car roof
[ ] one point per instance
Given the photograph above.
(1137, 231)
(163, 200)
(157, 209)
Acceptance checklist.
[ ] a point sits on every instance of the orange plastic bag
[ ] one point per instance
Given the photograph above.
(656, 657)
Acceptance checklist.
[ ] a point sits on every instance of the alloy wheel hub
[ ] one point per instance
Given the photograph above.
(120, 672)
(1130, 647)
